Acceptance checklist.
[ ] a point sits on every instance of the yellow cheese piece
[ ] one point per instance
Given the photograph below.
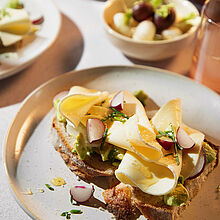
(139, 111)
(136, 134)
(162, 174)
(99, 112)
(168, 113)
(8, 39)
(150, 177)
(16, 21)
(75, 106)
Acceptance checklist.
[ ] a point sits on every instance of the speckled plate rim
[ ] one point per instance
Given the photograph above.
(12, 185)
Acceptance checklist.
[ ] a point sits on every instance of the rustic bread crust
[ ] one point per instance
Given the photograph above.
(119, 202)
(86, 169)
(153, 207)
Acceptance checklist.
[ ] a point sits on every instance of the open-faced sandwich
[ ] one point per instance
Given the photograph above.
(159, 161)
(15, 26)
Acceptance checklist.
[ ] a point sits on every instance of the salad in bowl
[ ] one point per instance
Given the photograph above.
(151, 29)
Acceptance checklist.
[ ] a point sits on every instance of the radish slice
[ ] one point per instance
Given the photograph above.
(60, 95)
(183, 139)
(95, 129)
(165, 143)
(38, 21)
(198, 169)
(82, 193)
(117, 101)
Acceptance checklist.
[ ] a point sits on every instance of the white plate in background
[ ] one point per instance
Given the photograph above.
(33, 47)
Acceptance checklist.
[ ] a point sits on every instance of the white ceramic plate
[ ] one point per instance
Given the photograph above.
(31, 160)
(33, 47)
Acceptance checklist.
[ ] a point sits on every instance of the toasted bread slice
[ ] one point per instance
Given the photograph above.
(152, 207)
(86, 169)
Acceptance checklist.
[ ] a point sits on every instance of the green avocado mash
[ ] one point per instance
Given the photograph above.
(179, 196)
(210, 153)
(141, 96)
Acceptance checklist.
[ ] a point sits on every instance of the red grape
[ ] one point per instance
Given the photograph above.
(142, 11)
(164, 23)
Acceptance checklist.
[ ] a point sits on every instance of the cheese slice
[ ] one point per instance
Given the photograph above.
(16, 21)
(75, 106)
(136, 134)
(99, 112)
(191, 156)
(152, 178)
(8, 39)
(155, 177)
(168, 113)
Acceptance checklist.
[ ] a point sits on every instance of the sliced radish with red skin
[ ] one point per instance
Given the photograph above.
(117, 101)
(183, 139)
(166, 143)
(95, 129)
(60, 95)
(82, 193)
(38, 21)
(198, 169)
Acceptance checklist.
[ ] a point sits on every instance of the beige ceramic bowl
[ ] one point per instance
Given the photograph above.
(148, 50)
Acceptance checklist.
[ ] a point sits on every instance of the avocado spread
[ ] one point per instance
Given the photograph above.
(141, 96)
(179, 196)
(210, 153)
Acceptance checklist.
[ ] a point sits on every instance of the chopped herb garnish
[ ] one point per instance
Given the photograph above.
(118, 112)
(170, 134)
(168, 154)
(128, 16)
(103, 139)
(116, 115)
(164, 10)
(71, 200)
(102, 102)
(75, 211)
(181, 179)
(74, 151)
(49, 187)
(112, 155)
(64, 214)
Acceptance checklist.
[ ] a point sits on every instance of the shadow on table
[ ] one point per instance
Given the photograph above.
(159, 64)
(63, 56)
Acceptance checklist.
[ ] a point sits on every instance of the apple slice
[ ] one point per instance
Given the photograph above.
(117, 101)
(183, 139)
(166, 143)
(81, 193)
(198, 169)
(95, 129)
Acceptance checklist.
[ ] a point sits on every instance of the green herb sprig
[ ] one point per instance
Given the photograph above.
(68, 214)
(170, 134)
(49, 187)
(116, 115)
(104, 138)
(112, 154)
(71, 200)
